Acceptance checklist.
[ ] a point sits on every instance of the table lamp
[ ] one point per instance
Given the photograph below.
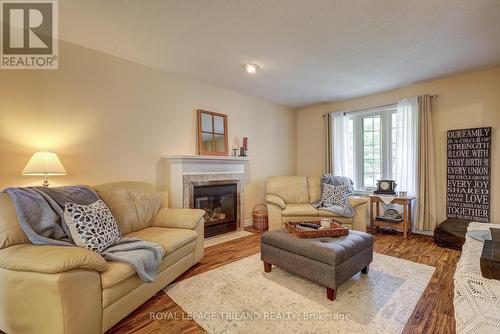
(45, 164)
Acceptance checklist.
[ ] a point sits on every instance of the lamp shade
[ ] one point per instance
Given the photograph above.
(44, 163)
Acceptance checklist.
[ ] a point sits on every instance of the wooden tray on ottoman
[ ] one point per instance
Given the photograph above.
(336, 230)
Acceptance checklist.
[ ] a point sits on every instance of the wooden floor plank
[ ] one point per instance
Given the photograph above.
(433, 313)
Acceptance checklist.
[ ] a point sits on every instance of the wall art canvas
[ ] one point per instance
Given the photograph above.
(469, 172)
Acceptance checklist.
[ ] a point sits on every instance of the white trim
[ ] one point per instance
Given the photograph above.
(204, 157)
(213, 173)
(385, 114)
(248, 222)
(427, 233)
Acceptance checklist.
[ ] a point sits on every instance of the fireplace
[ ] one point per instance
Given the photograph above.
(220, 200)
(183, 173)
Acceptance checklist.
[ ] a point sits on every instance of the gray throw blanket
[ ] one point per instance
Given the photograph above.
(40, 211)
(345, 210)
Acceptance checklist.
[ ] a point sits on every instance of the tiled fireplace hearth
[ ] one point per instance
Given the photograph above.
(215, 184)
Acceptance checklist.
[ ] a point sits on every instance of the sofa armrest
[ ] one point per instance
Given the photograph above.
(49, 259)
(356, 200)
(360, 218)
(179, 218)
(276, 200)
(61, 303)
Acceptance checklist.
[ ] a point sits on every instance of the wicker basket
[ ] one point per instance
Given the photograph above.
(259, 215)
(336, 230)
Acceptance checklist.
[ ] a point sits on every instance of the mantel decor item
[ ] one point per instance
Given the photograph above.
(44, 164)
(386, 187)
(212, 133)
(244, 147)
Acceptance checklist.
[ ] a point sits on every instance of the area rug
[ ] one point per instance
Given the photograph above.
(225, 237)
(241, 298)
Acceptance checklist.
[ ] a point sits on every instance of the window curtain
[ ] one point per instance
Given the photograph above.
(407, 145)
(339, 125)
(426, 218)
(327, 129)
(415, 159)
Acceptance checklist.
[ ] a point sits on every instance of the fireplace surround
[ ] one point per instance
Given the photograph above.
(194, 181)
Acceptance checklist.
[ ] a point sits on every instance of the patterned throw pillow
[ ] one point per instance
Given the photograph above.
(91, 226)
(334, 195)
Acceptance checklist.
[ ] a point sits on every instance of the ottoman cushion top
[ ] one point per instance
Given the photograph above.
(332, 251)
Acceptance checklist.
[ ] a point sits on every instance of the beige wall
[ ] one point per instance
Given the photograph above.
(109, 119)
(464, 101)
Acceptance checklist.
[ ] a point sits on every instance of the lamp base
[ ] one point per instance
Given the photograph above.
(46, 181)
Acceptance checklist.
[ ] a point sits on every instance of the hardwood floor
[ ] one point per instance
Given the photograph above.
(433, 314)
(434, 311)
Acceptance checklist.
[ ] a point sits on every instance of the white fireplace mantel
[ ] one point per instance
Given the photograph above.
(211, 167)
(192, 157)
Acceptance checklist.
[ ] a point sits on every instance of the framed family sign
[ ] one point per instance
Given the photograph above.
(469, 173)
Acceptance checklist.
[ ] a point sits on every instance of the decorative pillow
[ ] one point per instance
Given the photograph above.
(334, 195)
(91, 226)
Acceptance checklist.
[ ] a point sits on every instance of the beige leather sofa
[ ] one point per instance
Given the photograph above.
(289, 199)
(55, 289)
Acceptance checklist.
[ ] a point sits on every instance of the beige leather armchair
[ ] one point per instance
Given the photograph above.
(71, 290)
(289, 199)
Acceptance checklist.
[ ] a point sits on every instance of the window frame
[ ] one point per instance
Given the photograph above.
(385, 114)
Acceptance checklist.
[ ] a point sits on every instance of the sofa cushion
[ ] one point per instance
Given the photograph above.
(292, 189)
(124, 281)
(314, 183)
(334, 195)
(355, 201)
(171, 239)
(326, 213)
(332, 251)
(133, 204)
(91, 226)
(292, 210)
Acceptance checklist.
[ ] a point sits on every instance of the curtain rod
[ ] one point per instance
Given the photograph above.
(377, 107)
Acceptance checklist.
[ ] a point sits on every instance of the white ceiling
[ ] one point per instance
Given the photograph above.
(310, 51)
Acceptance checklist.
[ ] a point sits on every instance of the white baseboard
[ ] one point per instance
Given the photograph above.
(428, 233)
(248, 222)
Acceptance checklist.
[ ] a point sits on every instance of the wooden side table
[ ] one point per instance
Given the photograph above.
(403, 226)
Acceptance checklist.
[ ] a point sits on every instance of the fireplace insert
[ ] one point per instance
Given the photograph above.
(220, 201)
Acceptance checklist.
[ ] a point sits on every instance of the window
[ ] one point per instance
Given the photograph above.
(371, 146)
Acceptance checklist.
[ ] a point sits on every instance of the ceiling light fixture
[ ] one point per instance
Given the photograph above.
(251, 68)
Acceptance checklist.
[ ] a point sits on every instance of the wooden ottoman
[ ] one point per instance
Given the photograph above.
(327, 261)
